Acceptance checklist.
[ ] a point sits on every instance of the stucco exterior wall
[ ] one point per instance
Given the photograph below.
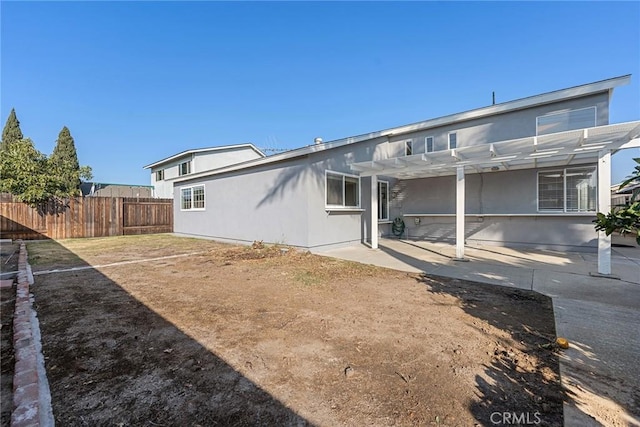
(200, 162)
(284, 202)
(268, 204)
(502, 127)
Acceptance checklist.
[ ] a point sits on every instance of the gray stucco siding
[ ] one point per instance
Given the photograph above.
(334, 227)
(559, 233)
(267, 204)
(501, 127)
(507, 192)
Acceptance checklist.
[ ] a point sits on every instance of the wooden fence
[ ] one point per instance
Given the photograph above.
(85, 217)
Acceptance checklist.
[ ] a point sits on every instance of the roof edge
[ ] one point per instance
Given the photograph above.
(200, 150)
(517, 104)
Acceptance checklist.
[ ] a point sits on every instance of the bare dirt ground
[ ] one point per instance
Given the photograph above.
(8, 262)
(240, 336)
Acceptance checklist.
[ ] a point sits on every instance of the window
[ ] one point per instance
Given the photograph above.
(185, 168)
(408, 147)
(428, 144)
(342, 190)
(568, 190)
(383, 201)
(192, 198)
(160, 175)
(453, 140)
(566, 120)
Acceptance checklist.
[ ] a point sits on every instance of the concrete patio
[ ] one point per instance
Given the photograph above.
(599, 316)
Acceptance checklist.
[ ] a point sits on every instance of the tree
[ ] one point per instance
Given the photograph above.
(26, 173)
(624, 218)
(11, 132)
(64, 163)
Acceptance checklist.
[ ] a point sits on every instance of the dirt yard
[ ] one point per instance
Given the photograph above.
(239, 336)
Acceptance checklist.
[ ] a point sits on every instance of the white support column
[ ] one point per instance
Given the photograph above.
(460, 196)
(604, 206)
(374, 212)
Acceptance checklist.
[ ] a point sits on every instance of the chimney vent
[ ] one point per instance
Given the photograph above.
(317, 140)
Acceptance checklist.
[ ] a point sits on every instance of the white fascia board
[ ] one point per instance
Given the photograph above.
(201, 150)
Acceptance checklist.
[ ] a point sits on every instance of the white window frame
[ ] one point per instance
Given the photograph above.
(564, 190)
(386, 216)
(191, 191)
(595, 116)
(160, 175)
(449, 139)
(188, 162)
(426, 144)
(343, 175)
(408, 146)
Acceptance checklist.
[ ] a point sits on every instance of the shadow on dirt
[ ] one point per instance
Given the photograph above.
(112, 361)
(522, 379)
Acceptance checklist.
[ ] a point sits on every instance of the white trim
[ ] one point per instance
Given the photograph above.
(408, 145)
(189, 162)
(563, 171)
(343, 206)
(388, 200)
(557, 113)
(433, 144)
(204, 195)
(455, 132)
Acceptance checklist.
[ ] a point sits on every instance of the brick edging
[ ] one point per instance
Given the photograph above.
(27, 379)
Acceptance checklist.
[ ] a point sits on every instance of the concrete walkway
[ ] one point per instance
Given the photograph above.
(599, 316)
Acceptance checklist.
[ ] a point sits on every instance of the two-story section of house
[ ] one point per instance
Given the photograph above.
(183, 164)
(529, 172)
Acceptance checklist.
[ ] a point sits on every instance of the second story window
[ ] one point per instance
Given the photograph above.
(428, 144)
(453, 140)
(566, 120)
(160, 175)
(408, 148)
(185, 168)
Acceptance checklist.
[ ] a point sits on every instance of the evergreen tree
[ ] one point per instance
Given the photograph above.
(26, 174)
(64, 163)
(11, 132)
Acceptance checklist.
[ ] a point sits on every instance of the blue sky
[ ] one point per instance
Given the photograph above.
(139, 81)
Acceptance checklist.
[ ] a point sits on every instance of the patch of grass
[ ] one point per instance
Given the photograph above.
(309, 278)
(50, 254)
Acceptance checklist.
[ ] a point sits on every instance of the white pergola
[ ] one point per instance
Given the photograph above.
(557, 149)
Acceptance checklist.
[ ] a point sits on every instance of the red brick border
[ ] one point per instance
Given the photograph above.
(26, 380)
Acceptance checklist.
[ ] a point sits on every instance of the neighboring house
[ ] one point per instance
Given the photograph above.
(530, 172)
(622, 197)
(197, 161)
(101, 189)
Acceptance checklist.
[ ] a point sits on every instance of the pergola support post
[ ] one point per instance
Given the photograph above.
(604, 206)
(374, 212)
(460, 196)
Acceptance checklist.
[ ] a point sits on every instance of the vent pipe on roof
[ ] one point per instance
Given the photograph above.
(317, 140)
(494, 97)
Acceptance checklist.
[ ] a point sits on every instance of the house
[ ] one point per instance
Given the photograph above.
(622, 197)
(102, 189)
(197, 161)
(529, 172)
